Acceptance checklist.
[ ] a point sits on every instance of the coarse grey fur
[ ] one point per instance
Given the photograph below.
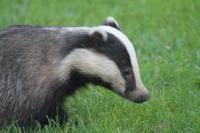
(30, 88)
(28, 85)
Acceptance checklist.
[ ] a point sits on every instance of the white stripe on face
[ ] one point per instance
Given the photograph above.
(129, 47)
(94, 64)
(124, 40)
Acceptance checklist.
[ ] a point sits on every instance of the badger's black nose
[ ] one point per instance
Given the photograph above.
(142, 98)
(138, 95)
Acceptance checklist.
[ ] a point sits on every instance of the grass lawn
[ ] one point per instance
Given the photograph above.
(166, 36)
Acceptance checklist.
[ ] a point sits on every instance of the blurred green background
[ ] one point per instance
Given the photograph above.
(166, 36)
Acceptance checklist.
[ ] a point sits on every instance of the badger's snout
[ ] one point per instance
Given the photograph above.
(138, 95)
(144, 96)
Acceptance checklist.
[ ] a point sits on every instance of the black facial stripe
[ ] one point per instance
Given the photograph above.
(112, 48)
(117, 52)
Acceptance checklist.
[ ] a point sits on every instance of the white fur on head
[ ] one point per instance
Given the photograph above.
(94, 64)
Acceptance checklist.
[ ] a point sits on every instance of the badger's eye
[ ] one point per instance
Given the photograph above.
(126, 71)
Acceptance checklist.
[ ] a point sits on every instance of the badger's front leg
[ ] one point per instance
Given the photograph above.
(57, 114)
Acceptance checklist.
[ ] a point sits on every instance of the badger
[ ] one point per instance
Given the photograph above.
(40, 66)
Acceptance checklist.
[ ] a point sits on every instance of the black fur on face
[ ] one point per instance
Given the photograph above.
(112, 48)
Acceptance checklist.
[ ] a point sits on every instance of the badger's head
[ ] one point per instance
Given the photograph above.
(105, 56)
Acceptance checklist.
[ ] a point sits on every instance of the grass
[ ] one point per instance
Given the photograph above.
(166, 36)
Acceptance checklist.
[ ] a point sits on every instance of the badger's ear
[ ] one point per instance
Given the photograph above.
(110, 21)
(99, 34)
